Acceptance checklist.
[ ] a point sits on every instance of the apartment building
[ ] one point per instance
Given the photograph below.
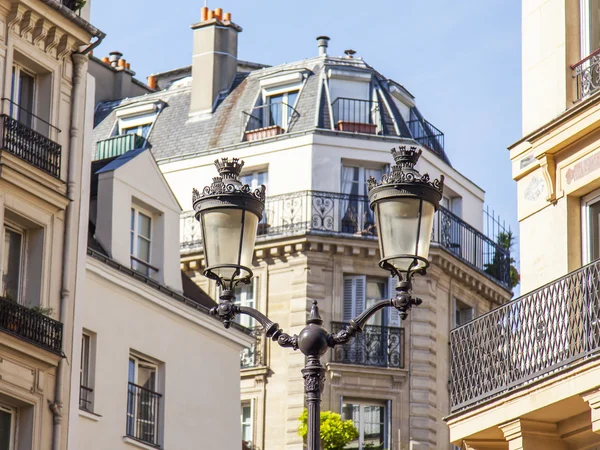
(151, 357)
(43, 131)
(313, 131)
(526, 375)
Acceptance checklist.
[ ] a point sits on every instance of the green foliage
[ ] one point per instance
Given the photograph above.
(335, 432)
(46, 311)
(506, 241)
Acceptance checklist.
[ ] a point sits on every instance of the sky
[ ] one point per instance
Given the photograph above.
(460, 59)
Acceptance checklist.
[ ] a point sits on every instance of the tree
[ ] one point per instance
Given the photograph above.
(495, 268)
(335, 432)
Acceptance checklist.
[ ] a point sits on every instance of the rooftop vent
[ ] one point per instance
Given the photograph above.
(323, 43)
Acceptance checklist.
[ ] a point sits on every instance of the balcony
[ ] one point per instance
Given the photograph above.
(30, 326)
(376, 346)
(142, 414)
(29, 145)
(335, 214)
(535, 337)
(116, 146)
(587, 75)
(356, 116)
(269, 120)
(253, 356)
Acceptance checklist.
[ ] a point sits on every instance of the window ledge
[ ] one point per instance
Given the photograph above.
(138, 444)
(89, 415)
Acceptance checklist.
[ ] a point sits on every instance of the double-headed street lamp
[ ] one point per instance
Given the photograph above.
(404, 202)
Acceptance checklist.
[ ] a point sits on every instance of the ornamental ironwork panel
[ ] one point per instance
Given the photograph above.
(143, 414)
(524, 340)
(375, 346)
(31, 146)
(332, 213)
(253, 356)
(472, 246)
(30, 326)
(587, 75)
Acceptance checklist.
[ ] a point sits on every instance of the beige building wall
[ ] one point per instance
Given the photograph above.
(44, 207)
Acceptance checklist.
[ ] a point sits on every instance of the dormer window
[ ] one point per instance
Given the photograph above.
(137, 119)
(280, 109)
(141, 241)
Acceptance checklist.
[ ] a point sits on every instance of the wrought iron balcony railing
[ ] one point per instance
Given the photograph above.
(268, 120)
(143, 414)
(426, 134)
(30, 146)
(355, 115)
(85, 398)
(330, 213)
(30, 326)
(117, 145)
(587, 75)
(543, 332)
(375, 346)
(253, 356)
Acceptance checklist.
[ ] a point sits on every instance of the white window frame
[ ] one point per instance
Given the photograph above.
(242, 300)
(254, 177)
(22, 263)
(456, 311)
(285, 91)
(584, 8)
(145, 362)
(250, 425)
(134, 247)
(388, 318)
(15, 88)
(13, 425)
(586, 202)
(86, 367)
(361, 417)
(138, 122)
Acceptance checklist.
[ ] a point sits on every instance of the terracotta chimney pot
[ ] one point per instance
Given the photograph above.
(128, 66)
(227, 17)
(211, 14)
(204, 14)
(105, 60)
(152, 82)
(219, 13)
(122, 63)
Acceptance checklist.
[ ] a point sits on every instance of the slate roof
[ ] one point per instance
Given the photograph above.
(176, 134)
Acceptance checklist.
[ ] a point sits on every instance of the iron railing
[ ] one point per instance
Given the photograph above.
(375, 346)
(355, 115)
(331, 213)
(426, 134)
(30, 146)
(30, 326)
(143, 414)
(253, 356)
(587, 75)
(86, 398)
(471, 246)
(543, 332)
(117, 145)
(278, 116)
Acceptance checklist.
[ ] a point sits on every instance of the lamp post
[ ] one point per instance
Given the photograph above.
(404, 202)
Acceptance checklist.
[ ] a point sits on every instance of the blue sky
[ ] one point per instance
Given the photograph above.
(460, 59)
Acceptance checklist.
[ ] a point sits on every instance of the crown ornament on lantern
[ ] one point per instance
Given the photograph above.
(403, 171)
(228, 182)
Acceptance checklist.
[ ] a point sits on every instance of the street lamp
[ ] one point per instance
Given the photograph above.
(404, 202)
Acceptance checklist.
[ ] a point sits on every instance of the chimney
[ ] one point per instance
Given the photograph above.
(114, 58)
(152, 82)
(323, 42)
(214, 61)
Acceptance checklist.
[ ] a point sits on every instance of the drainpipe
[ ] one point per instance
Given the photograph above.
(70, 237)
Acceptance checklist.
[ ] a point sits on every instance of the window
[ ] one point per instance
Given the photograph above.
(361, 292)
(590, 221)
(356, 216)
(141, 240)
(244, 296)
(143, 400)
(372, 423)
(22, 95)
(280, 109)
(463, 313)
(12, 264)
(590, 26)
(139, 125)
(7, 428)
(247, 418)
(86, 391)
(452, 204)
(255, 180)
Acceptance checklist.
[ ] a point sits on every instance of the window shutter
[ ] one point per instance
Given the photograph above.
(348, 307)
(393, 314)
(360, 294)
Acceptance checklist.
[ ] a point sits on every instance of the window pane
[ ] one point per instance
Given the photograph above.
(352, 412)
(147, 377)
(246, 423)
(131, 376)
(5, 429)
(594, 14)
(275, 108)
(144, 225)
(11, 271)
(594, 231)
(85, 360)
(26, 86)
(376, 291)
(374, 418)
(143, 250)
